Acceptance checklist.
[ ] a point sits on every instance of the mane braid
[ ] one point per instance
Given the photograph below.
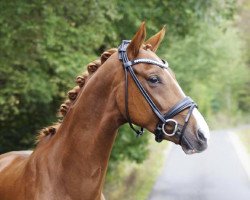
(81, 80)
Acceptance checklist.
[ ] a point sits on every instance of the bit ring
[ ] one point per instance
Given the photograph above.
(175, 127)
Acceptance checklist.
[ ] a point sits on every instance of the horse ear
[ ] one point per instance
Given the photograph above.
(136, 42)
(156, 39)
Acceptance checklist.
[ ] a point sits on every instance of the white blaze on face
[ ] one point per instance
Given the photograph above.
(201, 123)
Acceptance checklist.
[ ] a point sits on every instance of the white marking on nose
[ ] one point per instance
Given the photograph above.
(201, 123)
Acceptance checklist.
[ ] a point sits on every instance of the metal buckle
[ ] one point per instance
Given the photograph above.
(175, 127)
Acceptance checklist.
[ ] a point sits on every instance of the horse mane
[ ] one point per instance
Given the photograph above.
(81, 80)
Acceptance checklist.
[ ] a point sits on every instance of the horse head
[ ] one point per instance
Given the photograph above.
(150, 96)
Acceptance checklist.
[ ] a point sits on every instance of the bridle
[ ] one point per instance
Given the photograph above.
(164, 119)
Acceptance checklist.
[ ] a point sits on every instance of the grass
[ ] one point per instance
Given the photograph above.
(224, 120)
(244, 135)
(135, 181)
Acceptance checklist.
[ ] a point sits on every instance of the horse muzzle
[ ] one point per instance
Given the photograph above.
(191, 143)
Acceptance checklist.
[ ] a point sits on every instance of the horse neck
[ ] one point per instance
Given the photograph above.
(80, 150)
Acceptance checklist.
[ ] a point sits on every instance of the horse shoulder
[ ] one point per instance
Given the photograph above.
(12, 167)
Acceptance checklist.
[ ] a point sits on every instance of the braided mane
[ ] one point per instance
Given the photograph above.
(81, 80)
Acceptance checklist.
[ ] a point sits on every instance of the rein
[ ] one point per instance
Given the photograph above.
(164, 119)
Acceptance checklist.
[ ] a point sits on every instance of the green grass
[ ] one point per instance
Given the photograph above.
(225, 120)
(244, 135)
(135, 181)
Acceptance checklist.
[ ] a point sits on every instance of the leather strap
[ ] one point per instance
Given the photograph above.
(182, 105)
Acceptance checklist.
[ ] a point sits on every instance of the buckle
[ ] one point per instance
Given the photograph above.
(127, 64)
(124, 45)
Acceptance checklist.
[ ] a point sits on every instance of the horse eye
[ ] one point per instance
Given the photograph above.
(154, 79)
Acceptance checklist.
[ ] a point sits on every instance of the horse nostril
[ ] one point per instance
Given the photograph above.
(201, 136)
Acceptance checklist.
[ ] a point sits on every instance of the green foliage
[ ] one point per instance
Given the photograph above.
(243, 25)
(44, 45)
(210, 67)
(129, 180)
(128, 147)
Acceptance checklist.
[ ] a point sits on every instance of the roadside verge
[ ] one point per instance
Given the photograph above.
(239, 144)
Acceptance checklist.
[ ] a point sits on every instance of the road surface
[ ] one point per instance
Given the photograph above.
(216, 174)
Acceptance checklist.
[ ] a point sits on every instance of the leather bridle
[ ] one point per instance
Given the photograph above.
(164, 119)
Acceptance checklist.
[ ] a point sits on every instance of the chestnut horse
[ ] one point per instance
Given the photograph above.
(71, 158)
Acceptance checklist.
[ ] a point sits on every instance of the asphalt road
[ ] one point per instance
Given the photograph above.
(216, 174)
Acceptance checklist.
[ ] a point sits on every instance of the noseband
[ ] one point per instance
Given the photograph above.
(164, 119)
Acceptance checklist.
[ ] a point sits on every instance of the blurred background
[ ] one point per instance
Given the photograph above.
(45, 44)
